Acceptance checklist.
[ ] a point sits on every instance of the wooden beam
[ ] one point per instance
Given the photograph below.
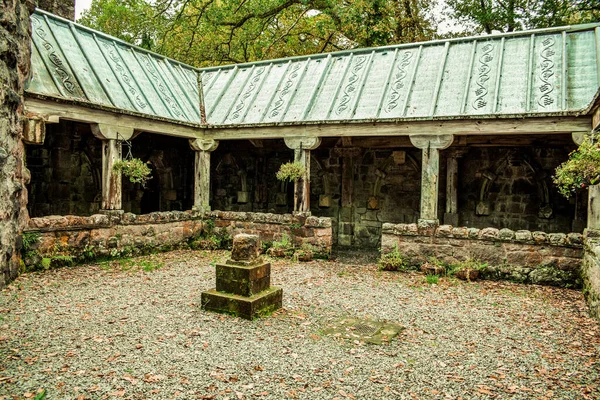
(49, 109)
(499, 126)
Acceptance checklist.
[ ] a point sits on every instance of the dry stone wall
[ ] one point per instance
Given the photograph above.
(521, 256)
(591, 274)
(14, 69)
(61, 240)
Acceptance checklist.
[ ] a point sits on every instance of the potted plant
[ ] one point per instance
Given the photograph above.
(292, 171)
(582, 169)
(135, 169)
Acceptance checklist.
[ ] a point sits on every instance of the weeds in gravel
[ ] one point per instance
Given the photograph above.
(149, 266)
(392, 261)
(432, 279)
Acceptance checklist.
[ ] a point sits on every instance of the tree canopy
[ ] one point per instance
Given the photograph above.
(214, 32)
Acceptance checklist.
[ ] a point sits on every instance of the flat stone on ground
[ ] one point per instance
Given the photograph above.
(368, 331)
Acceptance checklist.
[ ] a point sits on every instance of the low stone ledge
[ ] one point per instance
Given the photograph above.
(591, 274)
(489, 234)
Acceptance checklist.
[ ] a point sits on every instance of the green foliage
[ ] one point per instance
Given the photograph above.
(432, 279)
(487, 16)
(149, 266)
(208, 32)
(41, 395)
(135, 169)
(582, 169)
(284, 243)
(471, 263)
(290, 171)
(30, 239)
(392, 261)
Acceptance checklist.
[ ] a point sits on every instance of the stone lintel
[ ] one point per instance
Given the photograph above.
(204, 144)
(258, 305)
(302, 142)
(425, 142)
(112, 132)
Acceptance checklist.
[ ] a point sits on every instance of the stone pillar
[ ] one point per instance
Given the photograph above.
(431, 146)
(203, 148)
(451, 214)
(111, 136)
(302, 147)
(15, 36)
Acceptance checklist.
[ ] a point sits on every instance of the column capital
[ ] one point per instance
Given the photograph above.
(424, 142)
(109, 131)
(302, 142)
(204, 144)
(578, 137)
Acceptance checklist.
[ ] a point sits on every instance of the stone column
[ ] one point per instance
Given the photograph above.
(451, 215)
(111, 136)
(203, 148)
(302, 147)
(431, 146)
(593, 217)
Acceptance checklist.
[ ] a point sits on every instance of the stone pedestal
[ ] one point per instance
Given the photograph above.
(243, 283)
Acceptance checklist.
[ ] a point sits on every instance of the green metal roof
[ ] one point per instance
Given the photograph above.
(544, 72)
(72, 62)
(533, 73)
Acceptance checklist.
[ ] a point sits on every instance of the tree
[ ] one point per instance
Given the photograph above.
(511, 15)
(213, 32)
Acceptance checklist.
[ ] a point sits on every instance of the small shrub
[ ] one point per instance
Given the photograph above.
(392, 261)
(135, 169)
(432, 279)
(467, 270)
(30, 239)
(290, 171)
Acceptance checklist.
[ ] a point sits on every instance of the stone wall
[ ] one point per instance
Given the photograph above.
(65, 171)
(512, 188)
(14, 68)
(63, 8)
(63, 239)
(522, 256)
(591, 274)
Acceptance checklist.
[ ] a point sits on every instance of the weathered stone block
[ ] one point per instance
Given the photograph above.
(489, 233)
(507, 234)
(243, 280)
(523, 236)
(258, 305)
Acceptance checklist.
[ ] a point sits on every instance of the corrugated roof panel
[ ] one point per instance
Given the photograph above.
(401, 81)
(546, 78)
(54, 60)
(456, 76)
(88, 66)
(514, 75)
(370, 99)
(40, 80)
(294, 95)
(582, 76)
(326, 94)
(106, 76)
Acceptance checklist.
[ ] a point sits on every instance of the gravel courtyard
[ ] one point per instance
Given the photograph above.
(134, 329)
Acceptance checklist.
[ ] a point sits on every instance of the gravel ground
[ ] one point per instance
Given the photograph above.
(122, 329)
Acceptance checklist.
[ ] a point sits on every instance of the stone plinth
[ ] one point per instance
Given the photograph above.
(243, 283)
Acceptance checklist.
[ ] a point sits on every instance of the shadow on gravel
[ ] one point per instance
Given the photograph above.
(351, 256)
